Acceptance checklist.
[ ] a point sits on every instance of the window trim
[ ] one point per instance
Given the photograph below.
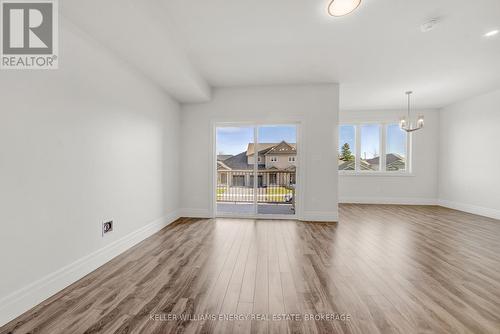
(382, 149)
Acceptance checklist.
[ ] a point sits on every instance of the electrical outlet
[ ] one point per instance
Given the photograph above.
(107, 227)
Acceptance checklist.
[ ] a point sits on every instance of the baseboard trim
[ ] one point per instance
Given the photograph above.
(194, 213)
(474, 209)
(319, 216)
(26, 298)
(388, 200)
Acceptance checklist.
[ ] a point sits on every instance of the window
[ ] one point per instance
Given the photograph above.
(291, 159)
(370, 147)
(238, 180)
(347, 147)
(373, 147)
(395, 158)
(260, 182)
(223, 178)
(273, 159)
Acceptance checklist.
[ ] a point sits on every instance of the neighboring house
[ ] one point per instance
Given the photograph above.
(394, 162)
(222, 157)
(276, 164)
(351, 165)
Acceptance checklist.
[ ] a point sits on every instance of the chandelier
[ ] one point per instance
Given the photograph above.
(406, 124)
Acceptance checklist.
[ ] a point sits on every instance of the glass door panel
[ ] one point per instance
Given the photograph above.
(235, 172)
(277, 165)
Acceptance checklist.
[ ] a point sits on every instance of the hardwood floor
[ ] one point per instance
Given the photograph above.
(382, 269)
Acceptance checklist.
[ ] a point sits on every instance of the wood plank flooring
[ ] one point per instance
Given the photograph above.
(382, 269)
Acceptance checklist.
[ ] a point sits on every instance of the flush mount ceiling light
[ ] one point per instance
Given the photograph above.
(406, 124)
(342, 7)
(491, 33)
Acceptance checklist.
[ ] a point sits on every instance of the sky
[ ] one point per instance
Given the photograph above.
(370, 142)
(396, 140)
(234, 140)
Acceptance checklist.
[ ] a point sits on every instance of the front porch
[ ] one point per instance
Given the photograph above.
(248, 209)
(274, 193)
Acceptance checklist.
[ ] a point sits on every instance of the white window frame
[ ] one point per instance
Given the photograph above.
(382, 149)
(273, 158)
(291, 159)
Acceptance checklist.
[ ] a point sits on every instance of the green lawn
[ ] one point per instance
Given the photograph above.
(277, 194)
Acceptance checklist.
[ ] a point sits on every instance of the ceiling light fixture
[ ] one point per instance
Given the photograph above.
(491, 33)
(406, 124)
(342, 7)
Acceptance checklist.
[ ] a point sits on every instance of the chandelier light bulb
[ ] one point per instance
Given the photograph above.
(402, 122)
(342, 7)
(420, 122)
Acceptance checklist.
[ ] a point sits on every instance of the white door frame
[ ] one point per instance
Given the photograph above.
(299, 173)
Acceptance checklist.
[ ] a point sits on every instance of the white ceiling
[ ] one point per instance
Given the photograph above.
(139, 33)
(376, 53)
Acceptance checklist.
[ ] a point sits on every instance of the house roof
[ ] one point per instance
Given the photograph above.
(282, 148)
(239, 162)
(222, 157)
(390, 158)
(222, 165)
(262, 147)
(351, 165)
(368, 163)
(266, 147)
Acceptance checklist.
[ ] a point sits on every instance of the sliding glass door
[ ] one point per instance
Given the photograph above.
(256, 170)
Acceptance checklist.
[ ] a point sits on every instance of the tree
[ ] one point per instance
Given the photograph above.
(346, 154)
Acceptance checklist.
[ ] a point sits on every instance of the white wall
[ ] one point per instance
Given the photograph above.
(315, 106)
(469, 177)
(91, 141)
(418, 188)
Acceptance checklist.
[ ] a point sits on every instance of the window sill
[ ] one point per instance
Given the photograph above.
(379, 174)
